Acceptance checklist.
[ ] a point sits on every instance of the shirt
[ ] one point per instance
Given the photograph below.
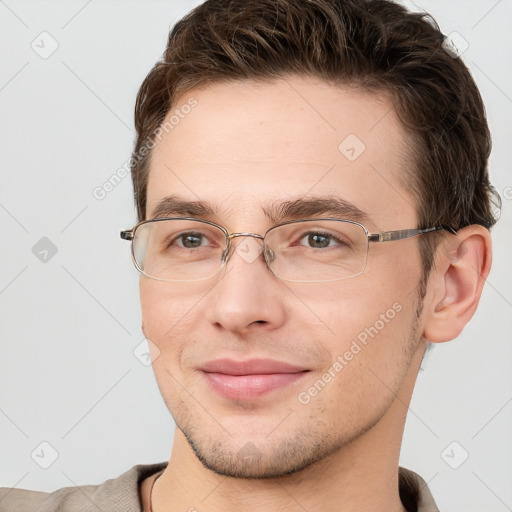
(122, 494)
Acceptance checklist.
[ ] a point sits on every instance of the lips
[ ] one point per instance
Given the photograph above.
(245, 380)
(250, 367)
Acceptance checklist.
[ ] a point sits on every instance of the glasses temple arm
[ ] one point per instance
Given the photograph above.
(126, 235)
(389, 236)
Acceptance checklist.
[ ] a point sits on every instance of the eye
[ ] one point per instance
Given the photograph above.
(189, 240)
(320, 240)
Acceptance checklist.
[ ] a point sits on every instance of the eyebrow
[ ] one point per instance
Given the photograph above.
(276, 212)
(331, 206)
(171, 206)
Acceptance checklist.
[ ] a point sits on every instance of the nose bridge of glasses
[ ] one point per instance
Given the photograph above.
(230, 246)
(235, 235)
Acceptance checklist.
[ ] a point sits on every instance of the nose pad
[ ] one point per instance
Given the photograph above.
(269, 255)
(224, 256)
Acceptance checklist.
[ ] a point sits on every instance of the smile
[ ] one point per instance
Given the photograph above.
(245, 380)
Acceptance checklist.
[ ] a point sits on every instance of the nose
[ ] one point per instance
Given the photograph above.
(247, 295)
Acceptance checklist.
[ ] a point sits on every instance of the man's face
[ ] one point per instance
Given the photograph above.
(243, 149)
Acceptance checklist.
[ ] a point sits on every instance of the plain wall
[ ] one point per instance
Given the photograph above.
(70, 325)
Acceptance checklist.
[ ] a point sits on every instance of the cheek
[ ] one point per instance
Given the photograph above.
(370, 356)
(348, 307)
(369, 324)
(168, 311)
(169, 315)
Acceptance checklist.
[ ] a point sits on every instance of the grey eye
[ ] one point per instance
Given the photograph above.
(318, 240)
(191, 241)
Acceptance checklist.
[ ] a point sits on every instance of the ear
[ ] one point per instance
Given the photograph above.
(462, 265)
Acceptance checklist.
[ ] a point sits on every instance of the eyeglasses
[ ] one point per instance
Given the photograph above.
(304, 250)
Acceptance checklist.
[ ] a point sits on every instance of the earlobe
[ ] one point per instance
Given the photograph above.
(462, 266)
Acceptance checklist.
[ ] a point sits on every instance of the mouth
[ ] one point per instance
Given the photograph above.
(246, 380)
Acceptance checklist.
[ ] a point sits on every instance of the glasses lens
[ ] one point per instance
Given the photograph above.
(178, 250)
(317, 250)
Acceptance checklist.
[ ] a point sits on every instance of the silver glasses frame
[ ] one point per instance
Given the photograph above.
(383, 236)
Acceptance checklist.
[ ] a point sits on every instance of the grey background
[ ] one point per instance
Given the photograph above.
(70, 325)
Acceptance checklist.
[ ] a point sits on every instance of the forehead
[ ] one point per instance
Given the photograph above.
(245, 145)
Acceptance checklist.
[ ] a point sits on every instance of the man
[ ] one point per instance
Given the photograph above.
(314, 203)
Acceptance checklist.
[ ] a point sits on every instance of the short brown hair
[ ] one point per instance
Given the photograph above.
(375, 45)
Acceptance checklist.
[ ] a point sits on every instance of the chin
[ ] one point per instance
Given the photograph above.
(262, 458)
